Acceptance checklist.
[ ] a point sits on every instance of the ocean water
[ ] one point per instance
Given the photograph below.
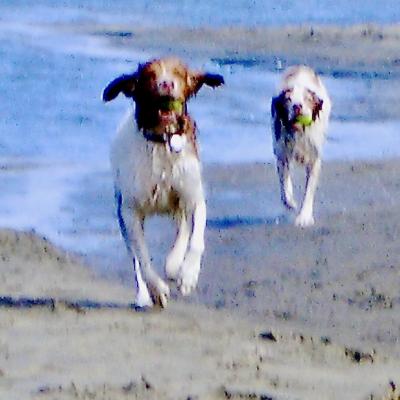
(55, 132)
(215, 13)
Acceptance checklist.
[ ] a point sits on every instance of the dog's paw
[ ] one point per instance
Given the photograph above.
(187, 283)
(189, 273)
(172, 266)
(303, 220)
(159, 293)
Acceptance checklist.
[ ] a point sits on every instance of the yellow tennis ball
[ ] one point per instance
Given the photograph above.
(172, 105)
(176, 105)
(304, 120)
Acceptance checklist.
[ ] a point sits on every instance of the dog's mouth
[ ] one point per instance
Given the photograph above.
(170, 111)
(161, 115)
(300, 122)
(171, 105)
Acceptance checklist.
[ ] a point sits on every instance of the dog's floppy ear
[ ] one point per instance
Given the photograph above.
(278, 114)
(316, 106)
(196, 80)
(212, 80)
(278, 107)
(124, 83)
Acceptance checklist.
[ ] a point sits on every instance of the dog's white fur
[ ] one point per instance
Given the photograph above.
(157, 170)
(145, 172)
(303, 145)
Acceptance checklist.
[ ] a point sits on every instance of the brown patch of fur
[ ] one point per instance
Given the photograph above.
(148, 73)
(148, 114)
(148, 100)
(189, 129)
(315, 104)
(142, 87)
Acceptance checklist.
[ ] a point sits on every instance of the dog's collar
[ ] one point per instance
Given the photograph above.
(170, 130)
(155, 137)
(173, 140)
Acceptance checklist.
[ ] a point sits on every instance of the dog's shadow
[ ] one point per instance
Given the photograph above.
(80, 305)
(246, 221)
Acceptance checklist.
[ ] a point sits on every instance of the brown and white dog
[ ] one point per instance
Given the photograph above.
(300, 116)
(157, 170)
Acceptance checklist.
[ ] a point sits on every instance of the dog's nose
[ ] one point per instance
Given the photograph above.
(297, 109)
(166, 86)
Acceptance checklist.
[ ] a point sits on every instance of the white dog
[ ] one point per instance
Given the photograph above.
(157, 170)
(300, 115)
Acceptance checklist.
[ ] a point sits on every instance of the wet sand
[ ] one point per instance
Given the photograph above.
(359, 50)
(64, 351)
(325, 301)
(340, 277)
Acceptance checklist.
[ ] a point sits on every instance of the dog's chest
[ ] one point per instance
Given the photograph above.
(165, 178)
(300, 146)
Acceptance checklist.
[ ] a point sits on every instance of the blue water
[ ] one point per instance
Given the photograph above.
(206, 13)
(55, 132)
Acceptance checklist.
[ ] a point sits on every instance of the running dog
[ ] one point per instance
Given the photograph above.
(157, 170)
(300, 115)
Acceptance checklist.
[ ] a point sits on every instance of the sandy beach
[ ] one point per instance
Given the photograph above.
(293, 314)
(280, 313)
(79, 349)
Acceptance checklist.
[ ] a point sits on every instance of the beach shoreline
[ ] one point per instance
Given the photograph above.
(364, 50)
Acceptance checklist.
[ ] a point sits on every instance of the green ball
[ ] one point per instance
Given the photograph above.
(304, 120)
(176, 105)
(172, 105)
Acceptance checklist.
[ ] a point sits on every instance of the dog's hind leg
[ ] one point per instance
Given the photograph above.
(177, 254)
(133, 232)
(305, 217)
(143, 298)
(189, 272)
(286, 186)
(159, 290)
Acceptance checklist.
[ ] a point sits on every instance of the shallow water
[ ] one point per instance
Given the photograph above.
(55, 131)
(195, 13)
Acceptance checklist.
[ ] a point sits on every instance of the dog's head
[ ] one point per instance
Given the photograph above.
(297, 101)
(160, 89)
(161, 80)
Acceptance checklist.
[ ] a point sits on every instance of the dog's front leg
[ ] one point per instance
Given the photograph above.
(285, 183)
(132, 227)
(305, 217)
(177, 254)
(190, 269)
